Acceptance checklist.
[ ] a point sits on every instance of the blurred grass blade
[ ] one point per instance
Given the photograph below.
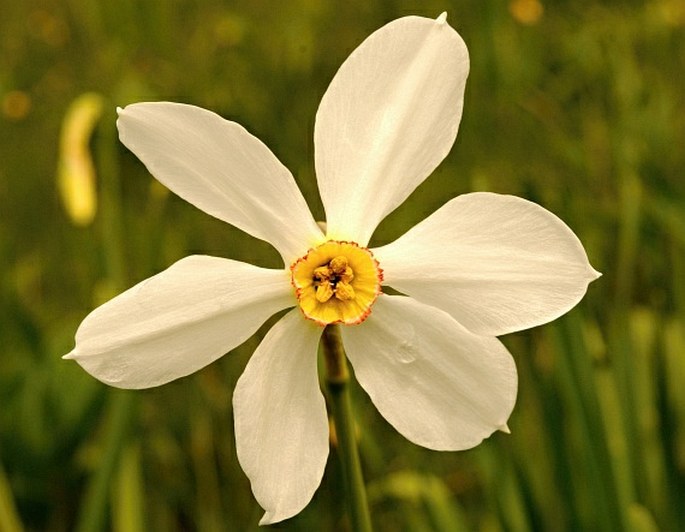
(9, 518)
(111, 215)
(92, 516)
(640, 519)
(630, 215)
(578, 383)
(75, 171)
(203, 455)
(674, 347)
(422, 494)
(504, 488)
(648, 447)
(129, 493)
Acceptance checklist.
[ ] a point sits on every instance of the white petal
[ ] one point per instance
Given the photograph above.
(281, 426)
(496, 263)
(389, 117)
(438, 384)
(178, 321)
(221, 168)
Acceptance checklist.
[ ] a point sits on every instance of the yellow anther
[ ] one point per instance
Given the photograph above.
(344, 291)
(324, 292)
(322, 273)
(347, 276)
(338, 265)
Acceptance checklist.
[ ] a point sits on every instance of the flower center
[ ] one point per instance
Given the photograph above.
(336, 282)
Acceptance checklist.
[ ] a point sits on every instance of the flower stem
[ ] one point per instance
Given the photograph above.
(337, 382)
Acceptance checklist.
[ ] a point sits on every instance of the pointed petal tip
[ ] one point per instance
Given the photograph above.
(120, 110)
(285, 470)
(595, 274)
(273, 517)
(267, 519)
(399, 121)
(70, 356)
(504, 428)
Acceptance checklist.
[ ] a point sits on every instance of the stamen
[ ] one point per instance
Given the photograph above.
(344, 291)
(322, 273)
(347, 276)
(324, 292)
(338, 265)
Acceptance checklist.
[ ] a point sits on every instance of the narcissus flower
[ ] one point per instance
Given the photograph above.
(482, 265)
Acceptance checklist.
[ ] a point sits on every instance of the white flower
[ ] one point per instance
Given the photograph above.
(481, 266)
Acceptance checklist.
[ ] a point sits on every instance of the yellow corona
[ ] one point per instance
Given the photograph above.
(337, 282)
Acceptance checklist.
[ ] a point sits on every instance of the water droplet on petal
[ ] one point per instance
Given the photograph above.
(407, 349)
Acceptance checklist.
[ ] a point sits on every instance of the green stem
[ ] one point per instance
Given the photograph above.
(337, 382)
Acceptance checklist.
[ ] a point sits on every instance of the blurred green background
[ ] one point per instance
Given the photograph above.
(577, 105)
